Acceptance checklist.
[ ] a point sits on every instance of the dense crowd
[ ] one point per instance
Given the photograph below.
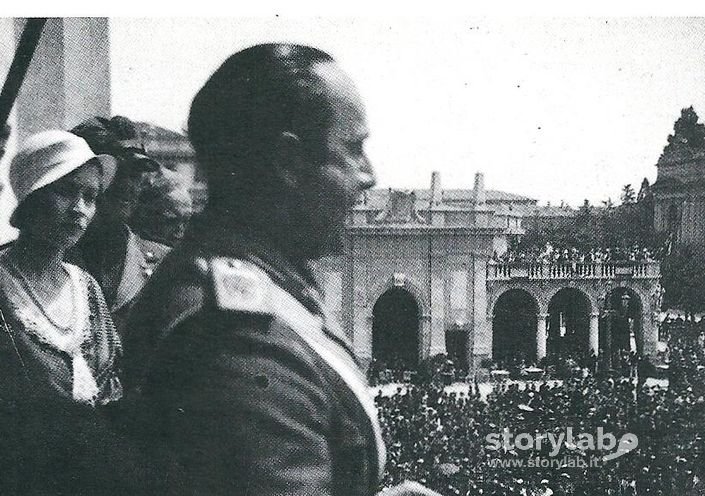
(550, 254)
(556, 365)
(96, 215)
(440, 438)
(443, 369)
(440, 369)
(435, 437)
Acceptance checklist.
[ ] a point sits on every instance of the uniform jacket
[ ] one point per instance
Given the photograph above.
(234, 382)
(142, 256)
(134, 260)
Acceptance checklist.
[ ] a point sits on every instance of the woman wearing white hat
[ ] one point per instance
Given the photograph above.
(53, 316)
(58, 345)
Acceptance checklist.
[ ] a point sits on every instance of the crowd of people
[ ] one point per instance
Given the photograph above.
(441, 438)
(432, 436)
(555, 365)
(229, 395)
(134, 366)
(520, 365)
(550, 254)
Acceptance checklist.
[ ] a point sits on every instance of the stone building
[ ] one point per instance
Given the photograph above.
(679, 190)
(417, 279)
(422, 255)
(174, 151)
(549, 217)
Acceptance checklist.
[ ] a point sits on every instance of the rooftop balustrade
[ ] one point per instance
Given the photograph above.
(501, 271)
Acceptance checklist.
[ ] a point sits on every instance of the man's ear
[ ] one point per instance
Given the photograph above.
(288, 159)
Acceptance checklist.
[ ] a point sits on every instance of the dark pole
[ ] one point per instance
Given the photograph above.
(20, 63)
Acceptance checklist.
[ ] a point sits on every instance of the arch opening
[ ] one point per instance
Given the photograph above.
(395, 329)
(514, 321)
(621, 326)
(456, 339)
(568, 331)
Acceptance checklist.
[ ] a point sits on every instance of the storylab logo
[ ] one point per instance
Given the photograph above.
(557, 444)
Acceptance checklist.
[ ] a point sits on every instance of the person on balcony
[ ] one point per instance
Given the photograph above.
(120, 260)
(59, 350)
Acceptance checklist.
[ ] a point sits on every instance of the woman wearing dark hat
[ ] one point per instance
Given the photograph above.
(58, 346)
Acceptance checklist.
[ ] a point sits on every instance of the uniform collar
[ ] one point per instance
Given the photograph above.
(296, 277)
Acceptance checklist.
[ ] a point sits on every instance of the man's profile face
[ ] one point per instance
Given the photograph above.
(344, 171)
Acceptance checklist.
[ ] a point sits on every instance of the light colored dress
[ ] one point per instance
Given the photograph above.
(77, 360)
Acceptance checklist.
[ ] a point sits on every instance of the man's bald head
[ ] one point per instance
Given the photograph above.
(255, 96)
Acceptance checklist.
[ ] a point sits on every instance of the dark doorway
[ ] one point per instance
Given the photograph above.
(395, 329)
(457, 344)
(568, 326)
(514, 328)
(620, 325)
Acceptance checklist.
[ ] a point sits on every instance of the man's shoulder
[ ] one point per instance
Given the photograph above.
(241, 286)
(190, 282)
(195, 302)
(179, 285)
(153, 251)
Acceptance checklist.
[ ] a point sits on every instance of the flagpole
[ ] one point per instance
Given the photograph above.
(20, 63)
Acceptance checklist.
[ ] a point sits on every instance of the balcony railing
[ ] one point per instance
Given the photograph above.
(497, 271)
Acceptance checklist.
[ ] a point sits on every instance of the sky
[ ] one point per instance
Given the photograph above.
(557, 109)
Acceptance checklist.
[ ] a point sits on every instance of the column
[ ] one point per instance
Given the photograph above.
(541, 319)
(649, 332)
(435, 343)
(333, 293)
(480, 346)
(595, 332)
(361, 311)
(69, 77)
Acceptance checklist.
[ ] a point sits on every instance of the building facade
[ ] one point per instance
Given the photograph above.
(679, 190)
(417, 279)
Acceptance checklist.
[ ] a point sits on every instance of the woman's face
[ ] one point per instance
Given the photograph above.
(66, 207)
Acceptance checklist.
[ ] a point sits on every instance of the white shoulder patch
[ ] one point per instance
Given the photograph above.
(240, 286)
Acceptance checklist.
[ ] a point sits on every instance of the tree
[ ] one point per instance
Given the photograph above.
(644, 190)
(683, 279)
(628, 196)
(687, 140)
(586, 232)
(687, 130)
(625, 225)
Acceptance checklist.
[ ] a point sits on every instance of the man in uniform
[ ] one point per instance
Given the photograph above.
(237, 380)
(119, 259)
